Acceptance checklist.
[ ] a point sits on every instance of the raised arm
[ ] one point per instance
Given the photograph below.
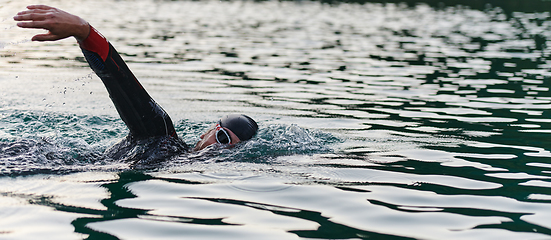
(142, 115)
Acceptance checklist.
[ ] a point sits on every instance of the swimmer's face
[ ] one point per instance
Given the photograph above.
(208, 138)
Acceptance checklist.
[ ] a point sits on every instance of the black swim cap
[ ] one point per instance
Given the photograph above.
(243, 126)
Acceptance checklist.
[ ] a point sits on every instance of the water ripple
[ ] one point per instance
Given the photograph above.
(427, 122)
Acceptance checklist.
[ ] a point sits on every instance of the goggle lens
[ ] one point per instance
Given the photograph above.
(222, 136)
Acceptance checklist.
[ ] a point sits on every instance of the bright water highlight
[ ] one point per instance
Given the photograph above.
(376, 121)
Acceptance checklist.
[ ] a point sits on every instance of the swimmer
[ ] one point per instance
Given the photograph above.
(152, 135)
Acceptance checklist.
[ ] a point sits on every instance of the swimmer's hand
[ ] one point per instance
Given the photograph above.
(60, 24)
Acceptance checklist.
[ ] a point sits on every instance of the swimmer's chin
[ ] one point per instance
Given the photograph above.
(199, 146)
(215, 146)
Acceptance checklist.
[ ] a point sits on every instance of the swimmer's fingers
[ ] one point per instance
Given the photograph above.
(36, 12)
(53, 34)
(32, 16)
(43, 7)
(47, 37)
(34, 24)
(60, 24)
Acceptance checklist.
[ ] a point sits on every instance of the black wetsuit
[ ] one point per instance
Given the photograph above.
(152, 135)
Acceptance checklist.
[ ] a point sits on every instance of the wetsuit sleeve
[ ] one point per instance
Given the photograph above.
(142, 115)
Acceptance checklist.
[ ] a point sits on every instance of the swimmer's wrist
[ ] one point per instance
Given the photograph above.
(83, 31)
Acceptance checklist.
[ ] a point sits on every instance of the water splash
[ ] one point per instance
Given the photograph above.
(32, 142)
(271, 142)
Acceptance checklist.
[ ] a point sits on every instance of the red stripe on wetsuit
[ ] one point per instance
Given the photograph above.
(95, 42)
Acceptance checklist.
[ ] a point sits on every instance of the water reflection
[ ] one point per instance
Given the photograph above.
(379, 121)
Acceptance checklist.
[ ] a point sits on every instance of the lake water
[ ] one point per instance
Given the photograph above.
(376, 122)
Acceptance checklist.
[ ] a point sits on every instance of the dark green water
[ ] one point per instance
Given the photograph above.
(378, 121)
(508, 6)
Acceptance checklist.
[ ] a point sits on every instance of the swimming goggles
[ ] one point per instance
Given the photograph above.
(222, 136)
